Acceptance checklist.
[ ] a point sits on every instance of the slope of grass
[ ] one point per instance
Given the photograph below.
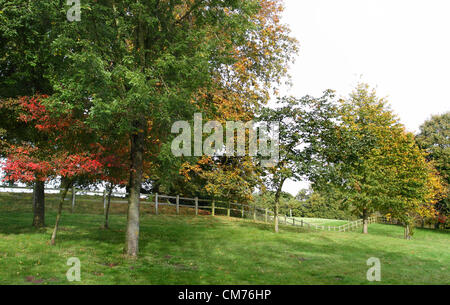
(208, 250)
(20, 202)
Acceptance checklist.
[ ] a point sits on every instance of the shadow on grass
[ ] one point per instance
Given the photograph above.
(188, 247)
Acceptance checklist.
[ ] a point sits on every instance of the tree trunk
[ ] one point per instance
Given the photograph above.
(137, 153)
(365, 222)
(137, 161)
(39, 204)
(106, 225)
(277, 206)
(58, 216)
(407, 232)
(276, 218)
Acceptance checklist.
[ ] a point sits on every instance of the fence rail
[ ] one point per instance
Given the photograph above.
(243, 210)
(420, 223)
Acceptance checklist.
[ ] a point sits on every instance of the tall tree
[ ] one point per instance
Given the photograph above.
(147, 64)
(302, 126)
(434, 138)
(64, 150)
(21, 134)
(374, 164)
(25, 34)
(366, 123)
(409, 186)
(231, 179)
(13, 131)
(237, 90)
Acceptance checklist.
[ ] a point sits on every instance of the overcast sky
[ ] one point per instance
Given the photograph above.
(401, 47)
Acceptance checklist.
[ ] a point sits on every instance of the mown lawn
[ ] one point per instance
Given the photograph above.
(207, 250)
(323, 222)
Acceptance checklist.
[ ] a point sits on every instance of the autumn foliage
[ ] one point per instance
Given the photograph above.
(57, 149)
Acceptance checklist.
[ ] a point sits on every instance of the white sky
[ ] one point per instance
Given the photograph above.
(400, 47)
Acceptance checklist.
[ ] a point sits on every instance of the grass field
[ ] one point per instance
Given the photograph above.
(208, 250)
(322, 221)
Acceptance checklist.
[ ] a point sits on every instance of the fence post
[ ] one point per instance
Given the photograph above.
(156, 204)
(301, 223)
(74, 191)
(213, 208)
(196, 206)
(178, 204)
(254, 213)
(285, 219)
(290, 212)
(228, 211)
(267, 212)
(243, 211)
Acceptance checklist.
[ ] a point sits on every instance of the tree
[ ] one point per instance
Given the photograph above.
(434, 138)
(152, 64)
(373, 164)
(411, 186)
(70, 168)
(235, 93)
(288, 203)
(315, 204)
(62, 152)
(133, 67)
(20, 131)
(228, 179)
(112, 154)
(25, 165)
(363, 123)
(25, 35)
(301, 125)
(24, 43)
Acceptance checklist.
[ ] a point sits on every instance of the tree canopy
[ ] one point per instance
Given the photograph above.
(434, 138)
(375, 164)
(129, 69)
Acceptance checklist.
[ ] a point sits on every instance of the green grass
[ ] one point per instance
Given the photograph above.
(208, 250)
(322, 221)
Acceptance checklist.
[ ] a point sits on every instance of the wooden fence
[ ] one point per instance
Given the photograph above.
(216, 207)
(425, 223)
